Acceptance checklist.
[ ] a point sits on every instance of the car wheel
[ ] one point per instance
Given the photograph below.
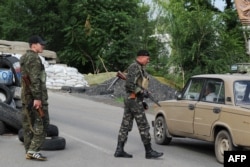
(5, 94)
(223, 142)
(160, 132)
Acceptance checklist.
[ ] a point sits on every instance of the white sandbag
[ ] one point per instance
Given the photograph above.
(59, 70)
(59, 81)
(71, 70)
(50, 69)
(58, 84)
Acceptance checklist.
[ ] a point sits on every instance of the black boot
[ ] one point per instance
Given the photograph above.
(150, 153)
(120, 152)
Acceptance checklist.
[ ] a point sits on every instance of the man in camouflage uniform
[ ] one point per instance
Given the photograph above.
(34, 96)
(136, 81)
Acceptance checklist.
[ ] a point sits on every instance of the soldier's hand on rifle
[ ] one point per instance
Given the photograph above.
(145, 94)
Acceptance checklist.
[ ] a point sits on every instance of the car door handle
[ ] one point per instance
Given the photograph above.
(216, 110)
(191, 107)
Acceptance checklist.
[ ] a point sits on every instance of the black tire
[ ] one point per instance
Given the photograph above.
(20, 135)
(10, 116)
(5, 94)
(10, 62)
(18, 103)
(160, 132)
(2, 128)
(52, 131)
(223, 142)
(55, 143)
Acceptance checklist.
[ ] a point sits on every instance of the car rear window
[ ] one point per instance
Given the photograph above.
(242, 92)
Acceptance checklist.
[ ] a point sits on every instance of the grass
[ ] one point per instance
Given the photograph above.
(95, 79)
(119, 99)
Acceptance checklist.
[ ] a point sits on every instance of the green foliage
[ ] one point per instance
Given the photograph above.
(91, 35)
(104, 35)
(107, 34)
(203, 39)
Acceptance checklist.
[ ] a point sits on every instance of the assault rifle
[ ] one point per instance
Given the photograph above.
(26, 80)
(122, 76)
(119, 75)
(39, 110)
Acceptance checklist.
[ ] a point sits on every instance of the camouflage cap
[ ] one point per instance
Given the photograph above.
(37, 39)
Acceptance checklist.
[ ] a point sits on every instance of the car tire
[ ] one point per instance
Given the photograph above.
(160, 131)
(10, 116)
(5, 94)
(55, 143)
(2, 128)
(52, 131)
(223, 142)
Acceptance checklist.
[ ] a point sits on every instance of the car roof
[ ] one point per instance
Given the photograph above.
(225, 77)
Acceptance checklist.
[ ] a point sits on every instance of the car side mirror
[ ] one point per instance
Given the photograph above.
(178, 95)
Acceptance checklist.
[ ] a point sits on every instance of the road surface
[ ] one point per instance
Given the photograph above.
(90, 129)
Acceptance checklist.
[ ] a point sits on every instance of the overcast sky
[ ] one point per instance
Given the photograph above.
(219, 4)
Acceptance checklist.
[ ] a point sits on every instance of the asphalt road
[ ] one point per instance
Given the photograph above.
(90, 129)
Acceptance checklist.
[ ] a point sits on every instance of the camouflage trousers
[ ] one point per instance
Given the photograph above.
(34, 128)
(134, 110)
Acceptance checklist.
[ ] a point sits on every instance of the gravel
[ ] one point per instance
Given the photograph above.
(115, 95)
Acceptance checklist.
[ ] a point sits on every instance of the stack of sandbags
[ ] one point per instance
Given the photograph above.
(59, 75)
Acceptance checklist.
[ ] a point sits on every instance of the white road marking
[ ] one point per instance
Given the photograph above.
(87, 143)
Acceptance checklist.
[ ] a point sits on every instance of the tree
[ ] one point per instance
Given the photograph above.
(107, 34)
(92, 35)
(202, 41)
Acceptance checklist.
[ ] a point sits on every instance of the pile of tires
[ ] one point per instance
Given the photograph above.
(10, 118)
(52, 141)
(10, 104)
(10, 93)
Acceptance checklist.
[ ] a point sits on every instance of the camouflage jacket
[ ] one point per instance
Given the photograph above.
(32, 67)
(135, 73)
